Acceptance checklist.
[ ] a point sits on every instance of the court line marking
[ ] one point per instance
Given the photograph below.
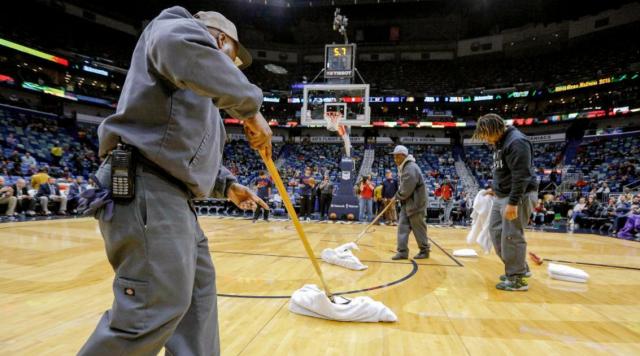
(593, 264)
(262, 328)
(414, 270)
(318, 258)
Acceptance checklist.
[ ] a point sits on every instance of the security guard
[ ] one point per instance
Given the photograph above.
(183, 70)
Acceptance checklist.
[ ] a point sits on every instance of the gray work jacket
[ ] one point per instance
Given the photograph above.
(170, 101)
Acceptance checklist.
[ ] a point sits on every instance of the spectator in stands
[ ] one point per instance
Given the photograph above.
(40, 178)
(306, 184)
(365, 199)
(28, 160)
(446, 194)
(377, 201)
(11, 141)
(577, 212)
(591, 211)
(56, 154)
(389, 189)
(631, 229)
(620, 214)
(25, 203)
(91, 184)
(7, 198)
(539, 213)
(15, 158)
(325, 189)
(76, 188)
(603, 191)
(263, 187)
(51, 192)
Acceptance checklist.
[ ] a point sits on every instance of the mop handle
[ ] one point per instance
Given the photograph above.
(273, 171)
(361, 234)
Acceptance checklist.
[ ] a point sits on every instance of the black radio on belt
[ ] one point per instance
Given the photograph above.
(122, 173)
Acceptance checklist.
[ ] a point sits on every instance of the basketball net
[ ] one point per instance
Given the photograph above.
(334, 119)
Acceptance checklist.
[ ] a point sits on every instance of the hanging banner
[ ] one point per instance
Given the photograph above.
(334, 139)
(425, 140)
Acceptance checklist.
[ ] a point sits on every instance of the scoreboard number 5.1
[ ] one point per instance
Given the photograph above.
(339, 60)
(339, 51)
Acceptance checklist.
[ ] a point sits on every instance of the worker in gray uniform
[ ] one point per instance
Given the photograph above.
(183, 70)
(412, 195)
(516, 189)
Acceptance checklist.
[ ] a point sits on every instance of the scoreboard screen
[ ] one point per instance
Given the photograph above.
(339, 60)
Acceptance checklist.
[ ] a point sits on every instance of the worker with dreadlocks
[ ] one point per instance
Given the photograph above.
(516, 190)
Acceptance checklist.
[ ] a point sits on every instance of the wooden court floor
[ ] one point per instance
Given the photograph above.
(55, 282)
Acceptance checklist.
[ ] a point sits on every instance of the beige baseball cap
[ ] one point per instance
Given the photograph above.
(219, 22)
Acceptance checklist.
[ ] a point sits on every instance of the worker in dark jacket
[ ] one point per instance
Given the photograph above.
(516, 189)
(412, 195)
(389, 190)
(183, 70)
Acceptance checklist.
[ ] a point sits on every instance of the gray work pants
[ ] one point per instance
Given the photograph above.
(507, 236)
(164, 286)
(415, 223)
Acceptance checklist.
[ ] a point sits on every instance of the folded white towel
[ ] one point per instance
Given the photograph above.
(312, 301)
(465, 252)
(566, 273)
(342, 256)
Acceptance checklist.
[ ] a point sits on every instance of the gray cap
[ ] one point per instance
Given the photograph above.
(219, 22)
(400, 150)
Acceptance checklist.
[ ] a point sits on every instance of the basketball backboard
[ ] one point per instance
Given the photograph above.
(348, 101)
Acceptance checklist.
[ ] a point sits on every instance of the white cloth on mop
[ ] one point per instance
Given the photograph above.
(312, 301)
(479, 232)
(343, 257)
(566, 273)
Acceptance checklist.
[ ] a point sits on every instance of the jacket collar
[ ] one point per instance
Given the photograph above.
(406, 160)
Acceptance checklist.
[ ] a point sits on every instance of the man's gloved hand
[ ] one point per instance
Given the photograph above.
(258, 133)
(94, 201)
(244, 198)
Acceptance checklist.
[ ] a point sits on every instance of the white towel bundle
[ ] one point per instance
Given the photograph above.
(479, 232)
(342, 256)
(465, 252)
(566, 273)
(312, 301)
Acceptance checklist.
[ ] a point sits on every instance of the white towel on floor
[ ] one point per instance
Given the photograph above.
(479, 232)
(566, 273)
(465, 252)
(312, 301)
(342, 256)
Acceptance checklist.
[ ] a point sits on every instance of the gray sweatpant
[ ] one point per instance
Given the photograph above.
(508, 235)
(415, 223)
(164, 286)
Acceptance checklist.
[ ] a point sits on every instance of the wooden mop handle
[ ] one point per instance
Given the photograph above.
(392, 202)
(273, 171)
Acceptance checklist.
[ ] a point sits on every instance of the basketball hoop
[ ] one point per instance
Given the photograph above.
(333, 119)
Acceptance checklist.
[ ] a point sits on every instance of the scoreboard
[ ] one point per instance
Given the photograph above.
(339, 60)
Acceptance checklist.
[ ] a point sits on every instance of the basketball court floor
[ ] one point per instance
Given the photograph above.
(55, 282)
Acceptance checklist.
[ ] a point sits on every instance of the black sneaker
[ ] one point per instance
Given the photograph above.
(400, 256)
(527, 275)
(517, 284)
(422, 255)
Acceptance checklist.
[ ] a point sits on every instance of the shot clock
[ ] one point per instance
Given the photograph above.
(339, 60)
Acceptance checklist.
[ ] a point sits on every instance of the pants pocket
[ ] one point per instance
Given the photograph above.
(129, 307)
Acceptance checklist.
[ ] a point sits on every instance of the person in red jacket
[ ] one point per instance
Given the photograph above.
(366, 199)
(446, 195)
